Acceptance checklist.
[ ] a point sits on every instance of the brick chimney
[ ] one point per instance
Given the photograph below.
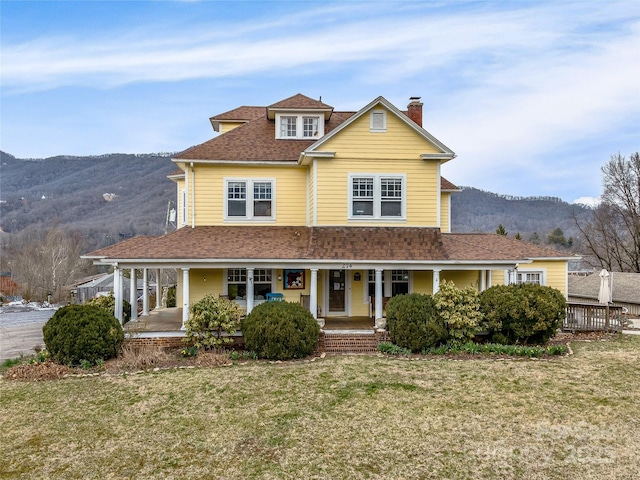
(414, 110)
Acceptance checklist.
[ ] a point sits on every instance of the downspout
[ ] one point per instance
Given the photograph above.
(193, 197)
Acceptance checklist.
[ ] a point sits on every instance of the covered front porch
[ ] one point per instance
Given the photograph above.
(164, 320)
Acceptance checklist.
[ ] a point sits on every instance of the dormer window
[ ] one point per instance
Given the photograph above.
(310, 127)
(288, 127)
(299, 127)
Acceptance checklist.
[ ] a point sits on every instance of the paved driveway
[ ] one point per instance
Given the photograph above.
(21, 332)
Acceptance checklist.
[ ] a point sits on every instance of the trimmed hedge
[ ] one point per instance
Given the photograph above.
(524, 313)
(413, 322)
(82, 332)
(280, 331)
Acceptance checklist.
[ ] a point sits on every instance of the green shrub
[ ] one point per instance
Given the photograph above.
(392, 349)
(459, 309)
(82, 332)
(211, 322)
(280, 331)
(413, 323)
(523, 313)
(108, 304)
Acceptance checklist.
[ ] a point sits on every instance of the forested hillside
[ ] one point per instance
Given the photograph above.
(111, 197)
(474, 210)
(103, 198)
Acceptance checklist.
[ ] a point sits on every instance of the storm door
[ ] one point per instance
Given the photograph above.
(337, 292)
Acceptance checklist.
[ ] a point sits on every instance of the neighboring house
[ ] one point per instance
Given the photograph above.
(625, 289)
(339, 210)
(9, 290)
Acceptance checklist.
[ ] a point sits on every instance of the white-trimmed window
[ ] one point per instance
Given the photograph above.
(288, 126)
(378, 121)
(251, 199)
(310, 127)
(377, 196)
(237, 283)
(299, 127)
(535, 278)
(399, 282)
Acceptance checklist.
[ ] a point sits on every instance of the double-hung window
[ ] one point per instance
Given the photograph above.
(288, 126)
(310, 127)
(377, 196)
(250, 199)
(237, 283)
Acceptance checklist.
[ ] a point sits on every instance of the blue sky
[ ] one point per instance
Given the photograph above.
(533, 97)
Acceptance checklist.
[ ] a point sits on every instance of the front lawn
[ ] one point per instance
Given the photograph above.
(339, 417)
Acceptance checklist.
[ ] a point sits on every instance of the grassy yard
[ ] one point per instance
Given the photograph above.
(339, 417)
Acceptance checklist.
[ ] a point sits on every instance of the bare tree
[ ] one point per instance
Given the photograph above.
(42, 266)
(612, 234)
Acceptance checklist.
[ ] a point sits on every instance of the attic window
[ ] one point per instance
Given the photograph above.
(288, 126)
(310, 127)
(299, 127)
(378, 121)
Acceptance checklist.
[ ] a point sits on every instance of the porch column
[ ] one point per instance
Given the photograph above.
(436, 280)
(378, 277)
(120, 295)
(133, 295)
(488, 278)
(117, 294)
(145, 292)
(481, 283)
(313, 293)
(249, 290)
(185, 297)
(158, 289)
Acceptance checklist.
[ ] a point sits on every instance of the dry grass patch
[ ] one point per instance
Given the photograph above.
(341, 417)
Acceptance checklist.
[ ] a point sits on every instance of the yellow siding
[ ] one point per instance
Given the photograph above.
(556, 274)
(497, 277)
(461, 278)
(204, 281)
(423, 282)
(290, 192)
(310, 199)
(359, 303)
(226, 126)
(445, 205)
(396, 151)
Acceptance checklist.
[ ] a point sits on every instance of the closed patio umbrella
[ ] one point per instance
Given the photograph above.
(604, 295)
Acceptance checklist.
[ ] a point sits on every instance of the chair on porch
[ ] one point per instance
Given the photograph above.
(275, 297)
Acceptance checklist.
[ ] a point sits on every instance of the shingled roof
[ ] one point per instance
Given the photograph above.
(255, 141)
(377, 244)
(626, 286)
(301, 102)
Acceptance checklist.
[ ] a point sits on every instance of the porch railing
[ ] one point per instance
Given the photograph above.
(593, 317)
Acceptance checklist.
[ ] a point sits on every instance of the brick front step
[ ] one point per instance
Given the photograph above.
(338, 342)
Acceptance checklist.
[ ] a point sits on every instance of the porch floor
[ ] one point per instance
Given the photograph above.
(170, 320)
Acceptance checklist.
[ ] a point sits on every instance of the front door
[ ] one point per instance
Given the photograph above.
(337, 292)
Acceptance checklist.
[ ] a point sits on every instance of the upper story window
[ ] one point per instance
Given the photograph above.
(378, 121)
(300, 127)
(377, 196)
(250, 199)
(310, 127)
(288, 126)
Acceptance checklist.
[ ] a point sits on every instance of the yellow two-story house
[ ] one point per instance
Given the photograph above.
(339, 210)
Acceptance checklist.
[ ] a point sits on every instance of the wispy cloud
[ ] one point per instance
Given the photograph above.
(520, 90)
